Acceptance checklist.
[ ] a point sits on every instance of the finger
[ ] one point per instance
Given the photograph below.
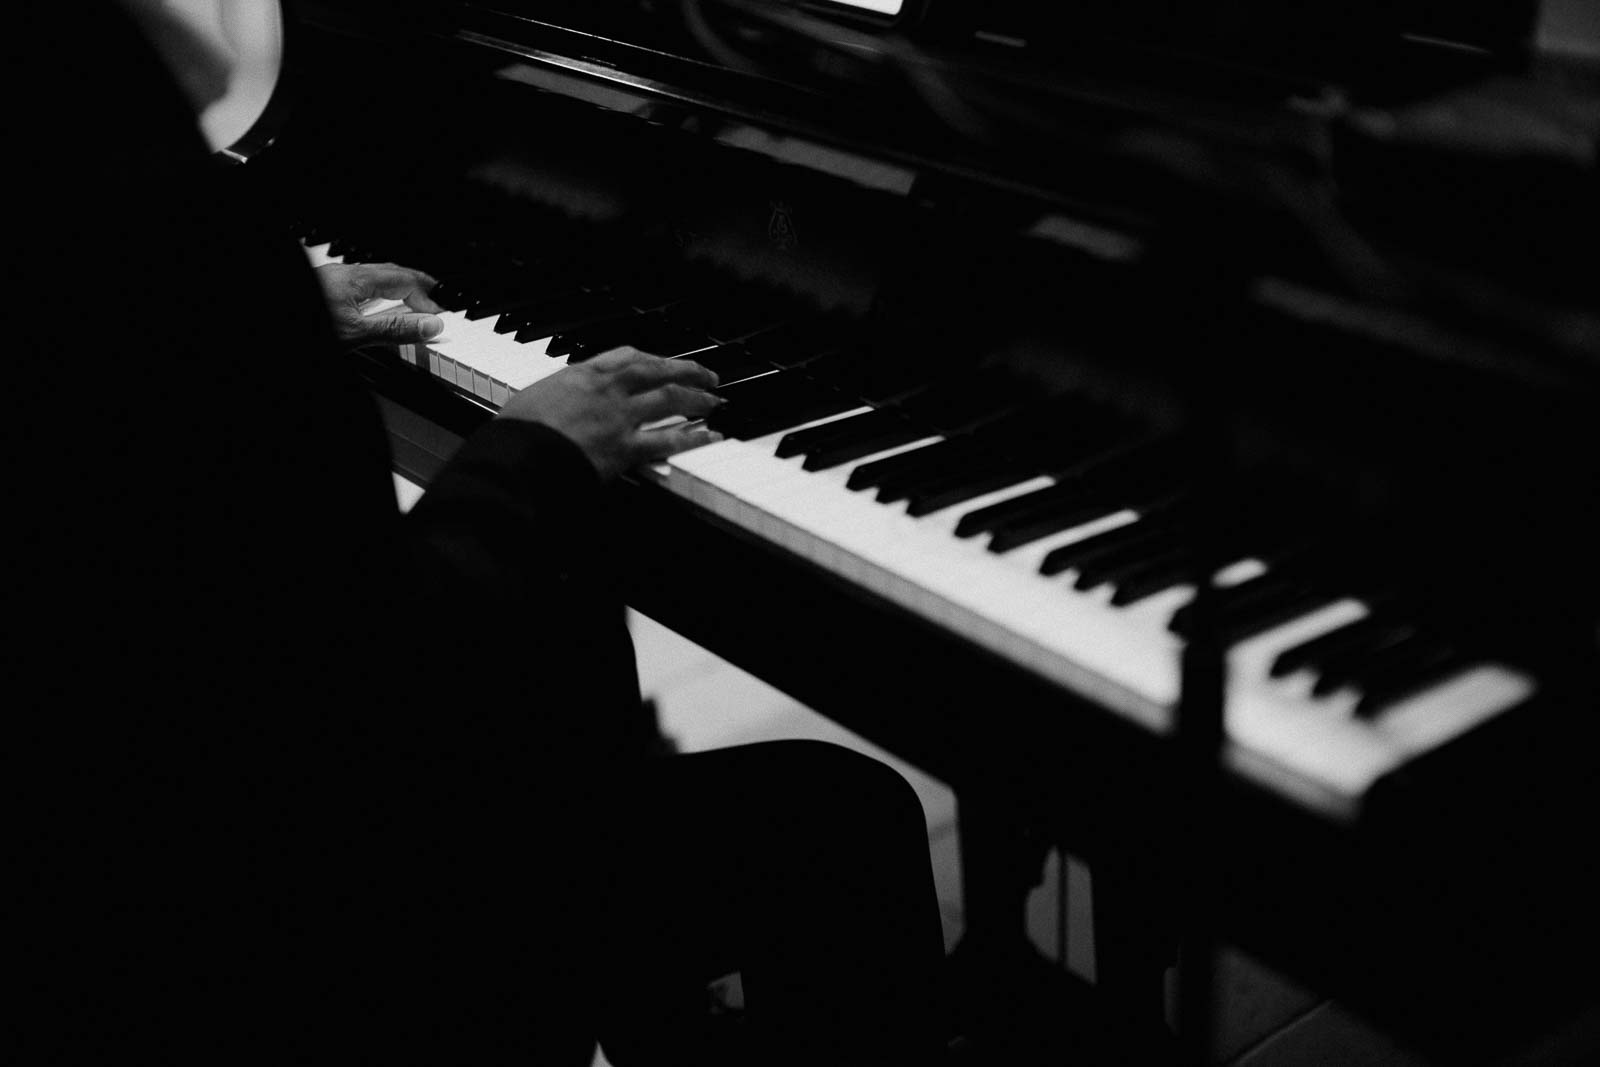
(398, 328)
(419, 300)
(394, 282)
(614, 360)
(641, 375)
(651, 445)
(671, 399)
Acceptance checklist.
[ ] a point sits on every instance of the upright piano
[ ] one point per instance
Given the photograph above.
(1091, 376)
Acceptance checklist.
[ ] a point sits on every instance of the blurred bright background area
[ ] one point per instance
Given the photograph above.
(250, 34)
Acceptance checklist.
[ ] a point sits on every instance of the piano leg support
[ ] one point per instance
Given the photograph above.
(1018, 1005)
(1136, 937)
(1002, 860)
(1021, 1007)
(1006, 999)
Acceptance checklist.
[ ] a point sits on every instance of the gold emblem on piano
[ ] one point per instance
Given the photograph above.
(780, 229)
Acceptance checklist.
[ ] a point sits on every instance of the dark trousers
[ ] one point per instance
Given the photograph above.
(802, 865)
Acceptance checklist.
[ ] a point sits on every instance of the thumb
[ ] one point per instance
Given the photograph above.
(400, 328)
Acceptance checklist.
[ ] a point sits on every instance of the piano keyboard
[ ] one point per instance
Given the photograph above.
(1312, 746)
(468, 355)
(495, 344)
(1071, 570)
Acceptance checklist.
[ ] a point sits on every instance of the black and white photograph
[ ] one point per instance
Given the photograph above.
(805, 533)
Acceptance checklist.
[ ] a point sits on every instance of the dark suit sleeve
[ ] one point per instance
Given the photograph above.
(285, 746)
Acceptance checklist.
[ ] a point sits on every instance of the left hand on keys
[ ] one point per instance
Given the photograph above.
(349, 286)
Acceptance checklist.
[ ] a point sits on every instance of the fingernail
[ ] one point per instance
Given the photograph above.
(432, 327)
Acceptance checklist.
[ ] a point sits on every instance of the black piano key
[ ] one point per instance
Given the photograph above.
(1152, 576)
(732, 363)
(1082, 499)
(579, 311)
(1012, 452)
(1348, 664)
(1028, 529)
(848, 439)
(1014, 440)
(759, 394)
(507, 324)
(1269, 543)
(1400, 657)
(842, 430)
(515, 319)
(992, 517)
(1339, 668)
(668, 344)
(1256, 589)
(1383, 688)
(529, 332)
(448, 296)
(477, 310)
(801, 441)
(606, 333)
(978, 463)
(1257, 604)
(817, 406)
(665, 339)
(872, 475)
(760, 406)
(708, 297)
(740, 319)
(1142, 546)
(1093, 547)
(960, 490)
(1245, 621)
(795, 343)
(522, 305)
(842, 452)
(1312, 653)
(516, 290)
(487, 304)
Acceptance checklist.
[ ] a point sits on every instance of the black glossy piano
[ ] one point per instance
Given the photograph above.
(1178, 434)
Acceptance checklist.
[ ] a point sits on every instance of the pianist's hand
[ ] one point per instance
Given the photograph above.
(606, 403)
(348, 286)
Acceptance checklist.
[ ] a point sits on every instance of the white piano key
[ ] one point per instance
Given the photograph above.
(1313, 749)
(1433, 717)
(1238, 572)
(380, 305)
(497, 357)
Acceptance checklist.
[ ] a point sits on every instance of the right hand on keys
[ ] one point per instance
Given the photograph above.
(606, 404)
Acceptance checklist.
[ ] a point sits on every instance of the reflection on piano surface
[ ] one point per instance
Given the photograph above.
(995, 406)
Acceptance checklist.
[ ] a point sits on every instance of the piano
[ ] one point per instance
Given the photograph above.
(1053, 346)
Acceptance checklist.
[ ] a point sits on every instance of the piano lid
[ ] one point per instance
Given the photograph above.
(1466, 205)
